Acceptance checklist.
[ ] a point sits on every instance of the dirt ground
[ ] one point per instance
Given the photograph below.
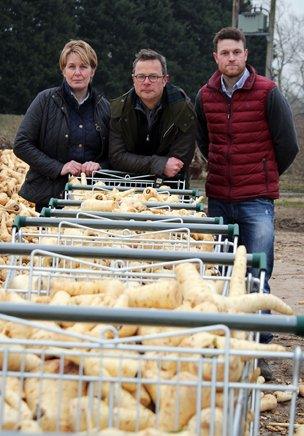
(288, 283)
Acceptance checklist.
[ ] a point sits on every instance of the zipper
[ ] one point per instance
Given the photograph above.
(168, 130)
(228, 157)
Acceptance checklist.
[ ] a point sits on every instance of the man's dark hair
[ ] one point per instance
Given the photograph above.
(146, 54)
(229, 33)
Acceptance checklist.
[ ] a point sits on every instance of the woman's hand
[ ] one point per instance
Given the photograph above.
(89, 167)
(71, 167)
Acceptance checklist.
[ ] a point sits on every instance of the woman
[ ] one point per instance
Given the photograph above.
(65, 129)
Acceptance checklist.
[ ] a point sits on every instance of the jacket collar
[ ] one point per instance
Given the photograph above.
(215, 80)
(59, 95)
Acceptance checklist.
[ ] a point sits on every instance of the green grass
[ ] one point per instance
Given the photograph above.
(8, 128)
(291, 202)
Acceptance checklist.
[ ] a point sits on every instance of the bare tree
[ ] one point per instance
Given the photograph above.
(288, 64)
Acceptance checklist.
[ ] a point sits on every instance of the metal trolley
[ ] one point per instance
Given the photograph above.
(112, 178)
(138, 184)
(152, 206)
(43, 263)
(58, 380)
(199, 218)
(122, 233)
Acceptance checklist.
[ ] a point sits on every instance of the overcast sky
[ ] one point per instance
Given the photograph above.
(297, 6)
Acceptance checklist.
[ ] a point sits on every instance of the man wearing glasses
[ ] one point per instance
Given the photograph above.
(152, 128)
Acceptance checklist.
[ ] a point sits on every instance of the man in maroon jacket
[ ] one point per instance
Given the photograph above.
(247, 135)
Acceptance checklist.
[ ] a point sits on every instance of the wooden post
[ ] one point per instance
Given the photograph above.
(269, 52)
(235, 13)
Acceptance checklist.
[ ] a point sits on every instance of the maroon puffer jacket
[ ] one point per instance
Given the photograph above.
(241, 159)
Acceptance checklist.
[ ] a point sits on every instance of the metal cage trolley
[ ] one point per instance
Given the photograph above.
(57, 380)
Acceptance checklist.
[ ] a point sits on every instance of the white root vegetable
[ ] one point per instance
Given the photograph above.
(16, 358)
(208, 416)
(83, 179)
(93, 413)
(282, 396)
(192, 286)
(237, 280)
(260, 380)
(29, 426)
(251, 303)
(98, 205)
(86, 413)
(268, 402)
(299, 430)
(171, 341)
(113, 287)
(163, 294)
(49, 398)
(239, 344)
(176, 405)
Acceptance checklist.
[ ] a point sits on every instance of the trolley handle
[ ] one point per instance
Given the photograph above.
(256, 260)
(47, 212)
(198, 207)
(233, 230)
(160, 317)
(259, 260)
(214, 229)
(79, 187)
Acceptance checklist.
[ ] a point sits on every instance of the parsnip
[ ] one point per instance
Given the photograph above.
(239, 344)
(83, 179)
(207, 241)
(86, 413)
(10, 417)
(156, 365)
(163, 294)
(93, 413)
(50, 398)
(171, 341)
(16, 358)
(282, 396)
(13, 400)
(268, 402)
(98, 205)
(61, 298)
(29, 426)
(192, 286)
(208, 417)
(301, 390)
(113, 287)
(237, 281)
(177, 404)
(251, 303)
(299, 430)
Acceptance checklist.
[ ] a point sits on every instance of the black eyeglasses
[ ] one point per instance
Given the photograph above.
(142, 77)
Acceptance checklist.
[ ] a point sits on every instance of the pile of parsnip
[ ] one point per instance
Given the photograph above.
(163, 396)
(12, 172)
(105, 200)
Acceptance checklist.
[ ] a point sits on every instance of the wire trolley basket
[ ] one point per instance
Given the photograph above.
(159, 381)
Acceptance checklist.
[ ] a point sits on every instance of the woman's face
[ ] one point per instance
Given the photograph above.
(77, 74)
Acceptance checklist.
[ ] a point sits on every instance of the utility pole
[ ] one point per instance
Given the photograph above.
(270, 36)
(235, 13)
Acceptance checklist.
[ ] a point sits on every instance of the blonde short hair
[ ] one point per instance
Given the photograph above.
(86, 53)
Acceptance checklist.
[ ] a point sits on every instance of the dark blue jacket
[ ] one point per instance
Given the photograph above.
(43, 142)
